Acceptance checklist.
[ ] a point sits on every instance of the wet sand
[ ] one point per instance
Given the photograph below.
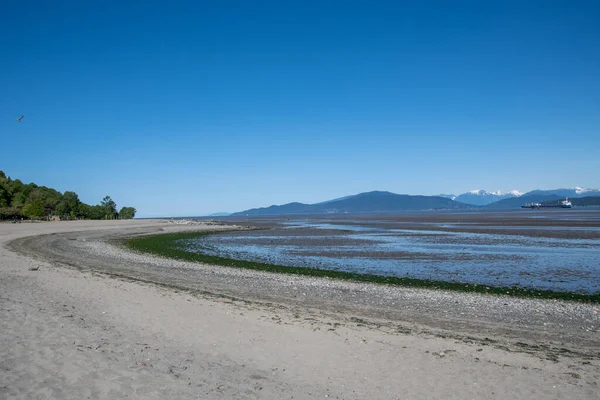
(541, 250)
(93, 320)
(579, 223)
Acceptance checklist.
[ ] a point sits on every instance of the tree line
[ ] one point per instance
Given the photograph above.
(19, 200)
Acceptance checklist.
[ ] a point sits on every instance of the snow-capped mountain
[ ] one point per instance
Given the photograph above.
(514, 193)
(448, 196)
(571, 192)
(585, 192)
(482, 198)
(386, 202)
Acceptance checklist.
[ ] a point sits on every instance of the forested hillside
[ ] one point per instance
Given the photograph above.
(376, 201)
(577, 202)
(20, 200)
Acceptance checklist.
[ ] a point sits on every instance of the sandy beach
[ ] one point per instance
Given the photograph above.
(82, 317)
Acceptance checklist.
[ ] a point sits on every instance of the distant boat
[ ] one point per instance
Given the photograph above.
(531, 205)
(566, 203)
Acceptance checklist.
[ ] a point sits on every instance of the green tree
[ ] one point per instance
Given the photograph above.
(9, 212)
(61, 209)
(110, 207)
(127, 213)
(18, 199)
(34, 209)
(5, 195)
(51, 199)
(5, 190)
(90, 212)
(84, 211)
(97, 212)
(72, 202)
(20, 192)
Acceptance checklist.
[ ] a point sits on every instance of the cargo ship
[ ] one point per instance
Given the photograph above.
(566, 203)
(531, 205)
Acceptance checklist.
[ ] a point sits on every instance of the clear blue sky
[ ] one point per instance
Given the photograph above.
(181, 109)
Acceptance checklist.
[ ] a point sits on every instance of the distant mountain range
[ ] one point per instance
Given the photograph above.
(483, 198)
(573, 192)
(363, 202)
(387, 202)
(577, 202)
(516, 202)
(219, 214)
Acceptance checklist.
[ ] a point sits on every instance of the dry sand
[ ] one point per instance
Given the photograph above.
(94, 321)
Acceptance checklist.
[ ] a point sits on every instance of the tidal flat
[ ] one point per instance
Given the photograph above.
(92, 319)
(549, 250)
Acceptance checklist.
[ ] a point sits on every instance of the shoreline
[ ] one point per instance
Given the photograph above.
(452, 312)
(551, 339)
(162, 245)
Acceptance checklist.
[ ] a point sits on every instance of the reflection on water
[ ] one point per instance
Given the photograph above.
(474, 257)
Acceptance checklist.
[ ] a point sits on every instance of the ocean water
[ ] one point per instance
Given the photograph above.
(433, 251)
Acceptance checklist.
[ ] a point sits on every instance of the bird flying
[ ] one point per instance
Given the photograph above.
(20, 118)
